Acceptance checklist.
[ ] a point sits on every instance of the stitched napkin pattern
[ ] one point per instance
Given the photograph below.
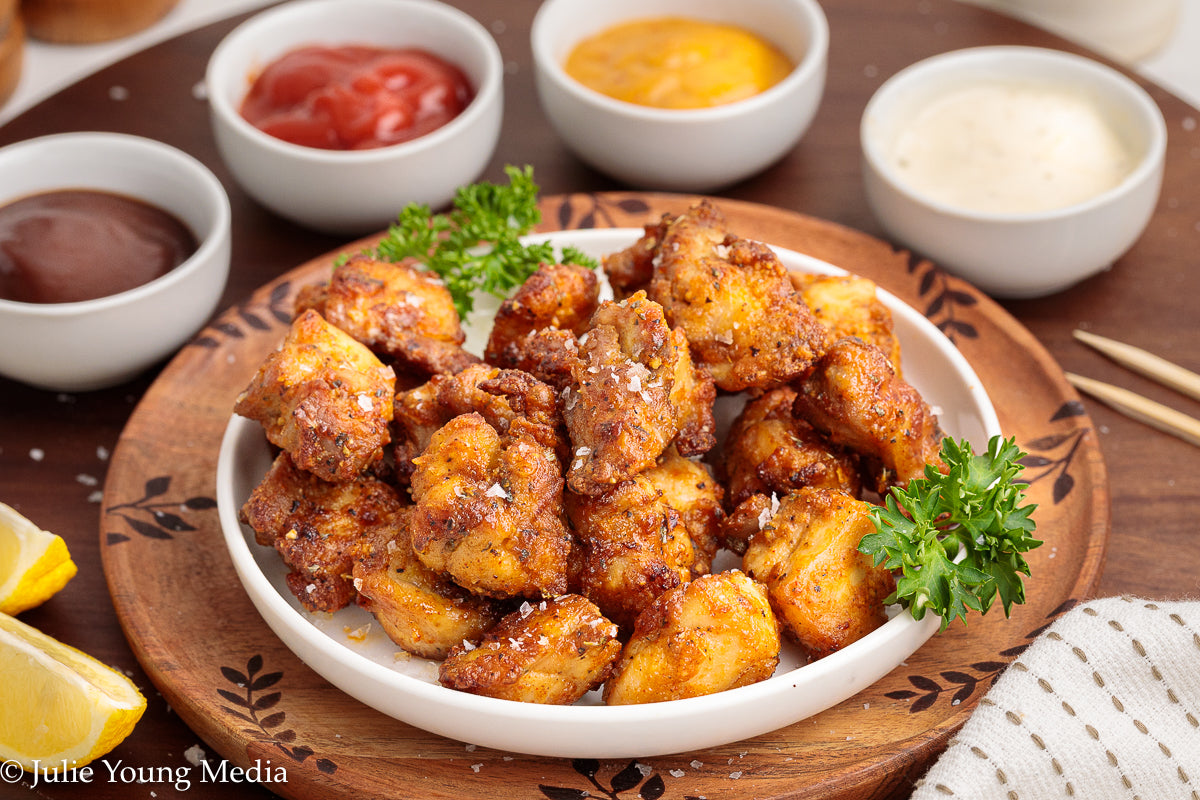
(1104, 704)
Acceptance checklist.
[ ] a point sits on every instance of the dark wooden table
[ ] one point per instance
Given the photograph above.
(54, 449)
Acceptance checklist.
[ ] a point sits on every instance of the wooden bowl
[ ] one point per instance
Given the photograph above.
(12, 47)
(85, 21)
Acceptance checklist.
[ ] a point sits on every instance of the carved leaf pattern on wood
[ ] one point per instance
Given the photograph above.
(251, 700)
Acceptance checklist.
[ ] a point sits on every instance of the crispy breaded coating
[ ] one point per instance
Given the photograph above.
(535, 329)
(420, 610)
(399, 310)
(500, 396)
(631, 269)
(324, 398)
(854, 397)
(850, 306)
(824, 591)
(318, 526)
(734, 301)
(716, 633)
(489, 508)
(649, 534)
(768, 449)
(633, 389)
(554, 652)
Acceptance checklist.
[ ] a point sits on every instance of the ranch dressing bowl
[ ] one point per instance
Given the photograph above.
(1023, 170)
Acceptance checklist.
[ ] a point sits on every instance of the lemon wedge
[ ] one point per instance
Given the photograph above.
(34, 564)
(59, 707)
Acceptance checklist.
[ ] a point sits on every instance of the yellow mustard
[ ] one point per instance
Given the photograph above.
(674, 62)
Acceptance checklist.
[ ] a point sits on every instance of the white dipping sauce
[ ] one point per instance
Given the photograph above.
(1010, 148)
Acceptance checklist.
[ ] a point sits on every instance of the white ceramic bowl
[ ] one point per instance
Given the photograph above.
(406, 689)
(1014, 254)
(92, 344)
(693, 150)
(352, 192)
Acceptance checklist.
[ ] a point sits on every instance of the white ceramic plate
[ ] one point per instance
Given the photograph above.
(353, 653)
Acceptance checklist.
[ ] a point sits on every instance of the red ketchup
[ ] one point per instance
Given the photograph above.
(355, 97)
(78, 244)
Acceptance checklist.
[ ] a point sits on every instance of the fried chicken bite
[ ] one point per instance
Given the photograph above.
(397, 309)
(734, 301)
(651, 533)
(770, 450)
(318, 526)
(631, 269)
(554, 652)
(854, 397)
(324, 398)
(716, 633)
(489, 508)
(419, 610)
(500, 396)
(535, 330)
(850, 306)
(634, 391)
(823, 590)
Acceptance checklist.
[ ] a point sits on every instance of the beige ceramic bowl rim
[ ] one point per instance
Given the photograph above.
(206, 187)
(485, 94)
(1118, 87)
(810, 65)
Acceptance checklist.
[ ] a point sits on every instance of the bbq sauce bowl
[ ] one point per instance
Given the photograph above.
(696, 149)
(356, 191)
(81, 345)
(1023, 170)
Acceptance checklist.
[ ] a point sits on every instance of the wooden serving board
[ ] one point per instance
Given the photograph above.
(236, 685)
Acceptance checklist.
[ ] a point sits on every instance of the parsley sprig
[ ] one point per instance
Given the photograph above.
(476, 245)
(957, 538)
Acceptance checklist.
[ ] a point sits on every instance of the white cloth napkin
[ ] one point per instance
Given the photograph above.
(1104, 704)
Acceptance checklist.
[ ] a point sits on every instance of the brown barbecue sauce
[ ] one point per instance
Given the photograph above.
(77, 244)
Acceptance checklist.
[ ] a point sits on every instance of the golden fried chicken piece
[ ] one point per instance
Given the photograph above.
(500, 396)
(318, 526)
(716, 633)
(849, 306)
(649, 534)
(421, 611)
(489, 508)
(399, 310)
(631, 269)
(825, 592)
(768, 449)
(854, 397)
(554, 652)
(634, 391)
(535, 330)
(324, 398)
(732, 297)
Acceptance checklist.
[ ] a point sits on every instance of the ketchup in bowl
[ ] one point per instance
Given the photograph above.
(355, 97)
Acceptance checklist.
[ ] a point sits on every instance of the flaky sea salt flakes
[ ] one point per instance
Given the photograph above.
(102, 453)
(37, 453)
(696, 764)
(118, 93)
(677, 773)
(476, 767)
(194, 755)
(87, 480)
(365, 402)
(736, 775)
(496, 490)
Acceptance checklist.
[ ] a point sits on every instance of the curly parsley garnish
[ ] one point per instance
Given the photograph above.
(957, 538)
(476, 245)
